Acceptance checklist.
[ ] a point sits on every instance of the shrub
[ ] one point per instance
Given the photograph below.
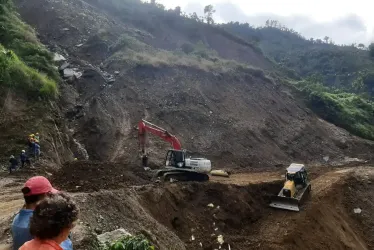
(17, 36)
(347, 110)
(132, 243)
(16, 74)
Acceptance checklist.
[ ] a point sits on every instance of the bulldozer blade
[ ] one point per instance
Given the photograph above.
(285, 203)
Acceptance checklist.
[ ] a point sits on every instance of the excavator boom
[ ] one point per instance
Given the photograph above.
(144, 127)
(177, 167)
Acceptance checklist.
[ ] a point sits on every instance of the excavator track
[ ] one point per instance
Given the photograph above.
(171, 175)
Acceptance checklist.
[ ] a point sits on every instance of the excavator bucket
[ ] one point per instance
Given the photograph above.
(285, 203)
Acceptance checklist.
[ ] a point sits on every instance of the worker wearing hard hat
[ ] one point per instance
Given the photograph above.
(36, 146)
(13, 164)
(37, 137)
(24, 159)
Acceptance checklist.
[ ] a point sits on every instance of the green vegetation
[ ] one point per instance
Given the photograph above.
(15, 73)
(338, 80)
(347, 110)
(24, 63)
(131, 243)
(338, 65)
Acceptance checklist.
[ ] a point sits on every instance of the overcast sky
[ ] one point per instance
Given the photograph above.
(345, 22)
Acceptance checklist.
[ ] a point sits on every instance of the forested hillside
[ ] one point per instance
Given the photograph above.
(337, 65)
(336, 80)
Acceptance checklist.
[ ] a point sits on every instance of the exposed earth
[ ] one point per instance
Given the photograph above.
(194, 215)
(124, 63)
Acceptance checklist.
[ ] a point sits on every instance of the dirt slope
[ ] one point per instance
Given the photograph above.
(237, 118)
(179, 216)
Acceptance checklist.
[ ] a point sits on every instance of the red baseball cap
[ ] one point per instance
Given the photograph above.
(38, 185)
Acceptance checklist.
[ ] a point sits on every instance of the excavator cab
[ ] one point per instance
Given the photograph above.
(175, 158)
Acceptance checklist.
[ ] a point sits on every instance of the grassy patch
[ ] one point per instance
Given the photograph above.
(17, 36)
(347, 110)
(130, 51)
(16, 74)
(25, 64)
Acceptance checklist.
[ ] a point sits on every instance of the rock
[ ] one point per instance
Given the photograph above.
(112, 80)
(64, 66)
(326, 158)
(192, 238)
(58, 58)
(220, 239)
(79, 45)
(65, 29)
(210, 205)
(116, 72)
(67, 73)
(113, 235)
(78, 74)
(98, 230)
(357, 210)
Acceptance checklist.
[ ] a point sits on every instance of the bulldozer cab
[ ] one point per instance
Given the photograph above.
(297, 173)
(175, 158)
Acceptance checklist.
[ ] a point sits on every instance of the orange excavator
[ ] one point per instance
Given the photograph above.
(178, 166)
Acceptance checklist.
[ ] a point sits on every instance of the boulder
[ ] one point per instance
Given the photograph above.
(58, 58)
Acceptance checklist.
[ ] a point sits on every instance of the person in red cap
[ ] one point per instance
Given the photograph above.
(52, 220)
(35, 190)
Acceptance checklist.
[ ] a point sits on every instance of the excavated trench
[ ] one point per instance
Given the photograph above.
(178, 216)
(199, 215)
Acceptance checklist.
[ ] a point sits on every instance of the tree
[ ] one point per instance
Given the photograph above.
(371, 50)
(326, 39)
(361, 46)
(178, 10)
(208, 12)
(195, 17)
(153, 2)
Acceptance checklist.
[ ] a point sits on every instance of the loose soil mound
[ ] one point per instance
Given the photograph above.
(242, 216)
(200, 212)
(85, 176)
(359, 193)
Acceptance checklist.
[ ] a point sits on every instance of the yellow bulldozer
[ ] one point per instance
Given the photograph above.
(296, 188)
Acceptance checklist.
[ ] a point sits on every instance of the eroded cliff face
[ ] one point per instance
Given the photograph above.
(235, 115)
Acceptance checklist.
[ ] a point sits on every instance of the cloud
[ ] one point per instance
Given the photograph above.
(347, 29)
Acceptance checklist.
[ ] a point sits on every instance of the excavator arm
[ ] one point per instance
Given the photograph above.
(144, 127)
(189, 170)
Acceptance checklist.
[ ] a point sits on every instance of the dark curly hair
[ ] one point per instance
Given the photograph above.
(52, 215)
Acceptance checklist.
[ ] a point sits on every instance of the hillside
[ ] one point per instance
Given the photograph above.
(224, 109)
(337, 65)
(28, 91)
(84, 72)
(336, 81)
